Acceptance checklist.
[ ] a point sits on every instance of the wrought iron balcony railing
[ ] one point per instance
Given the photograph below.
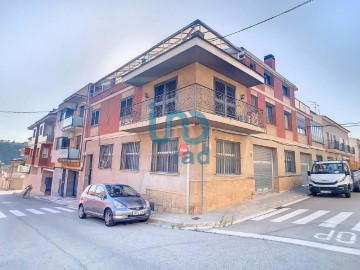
(333, 145)
(193, 97)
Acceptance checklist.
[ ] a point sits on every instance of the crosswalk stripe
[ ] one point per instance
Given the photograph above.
(356, 227)
(311, 217)
(290, 215)
(36, 212)
(2, 215)
(271, 214)
(50, 210)
(17, 213)
(335, 220)
(64, 209)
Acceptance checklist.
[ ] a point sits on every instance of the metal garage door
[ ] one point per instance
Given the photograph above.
(263, 169)
(305, 160)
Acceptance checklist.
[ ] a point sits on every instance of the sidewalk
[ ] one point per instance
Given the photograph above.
(219, 218)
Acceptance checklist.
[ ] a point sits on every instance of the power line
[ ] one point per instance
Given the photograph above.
(24, 111)
(268, 19)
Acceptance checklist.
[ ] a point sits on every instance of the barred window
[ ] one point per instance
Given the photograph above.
(105, 156)
(301, 126)
(227, 157)
(130, 156)
(317, 132)
(290, 166)
(319, 158)
(165, 156)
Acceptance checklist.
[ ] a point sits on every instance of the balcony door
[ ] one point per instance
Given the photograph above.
(165, 98)
(225, 103)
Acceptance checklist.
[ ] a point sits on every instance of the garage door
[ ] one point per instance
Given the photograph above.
(263, 169)
(305, 161)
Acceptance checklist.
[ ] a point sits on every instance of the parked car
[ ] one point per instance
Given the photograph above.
(333, 177)
(113, 203)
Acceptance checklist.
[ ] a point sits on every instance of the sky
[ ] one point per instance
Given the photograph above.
(50, 49)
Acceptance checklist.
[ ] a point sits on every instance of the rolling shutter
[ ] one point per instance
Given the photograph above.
(263, 169)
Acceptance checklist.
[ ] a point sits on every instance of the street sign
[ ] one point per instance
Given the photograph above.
(183, 150)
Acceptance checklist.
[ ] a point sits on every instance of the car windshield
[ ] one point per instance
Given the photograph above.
(121, 191)
(330, 168)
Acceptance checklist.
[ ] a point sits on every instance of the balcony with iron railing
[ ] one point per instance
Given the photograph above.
(190, 105)
(68, 154)
(72, 123)
(335, 145)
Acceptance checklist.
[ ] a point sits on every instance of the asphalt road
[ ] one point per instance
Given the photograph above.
(36, 234)
(326, 219)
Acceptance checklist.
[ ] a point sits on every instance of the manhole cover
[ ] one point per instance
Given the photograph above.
(195, 218)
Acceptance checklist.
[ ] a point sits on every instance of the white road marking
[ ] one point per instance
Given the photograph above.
(36, 212)
(356, 227)
(297, 201)
(64, 209)
(2, 215)
(311, 217)
(293, 241)
(17, 213)
(290, 215)
(332, 222)
(271, 214)
(50, 210)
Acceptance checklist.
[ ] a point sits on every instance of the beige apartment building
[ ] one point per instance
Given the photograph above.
(245, 130)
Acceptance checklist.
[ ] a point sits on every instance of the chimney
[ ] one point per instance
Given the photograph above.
(270, 61)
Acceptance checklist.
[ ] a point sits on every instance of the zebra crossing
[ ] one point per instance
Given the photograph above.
(32, 211)
(306, 216)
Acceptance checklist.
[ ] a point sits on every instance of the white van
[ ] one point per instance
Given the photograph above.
(333, 177)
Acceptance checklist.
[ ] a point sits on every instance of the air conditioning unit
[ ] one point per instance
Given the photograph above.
(241, 56)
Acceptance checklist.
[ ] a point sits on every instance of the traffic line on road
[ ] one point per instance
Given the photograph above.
(270, 214)
(17, 213)
(51, 210)
(64, 209)
(290, 215)
(36, 212)
(356, 227)
(311, 217)
(2, 215)
(286, 240)
(335, 220)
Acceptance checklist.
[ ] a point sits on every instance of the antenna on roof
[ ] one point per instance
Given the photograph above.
(316, 106)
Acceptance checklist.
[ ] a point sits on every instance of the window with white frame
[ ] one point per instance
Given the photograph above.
(317, 134)
(270, 113)
(105, 157)
(95, 117)
(126, 106)
(287, 119)
(301, 126)
(227, 157)
(165, 156)
(290, 166)
(130, 156)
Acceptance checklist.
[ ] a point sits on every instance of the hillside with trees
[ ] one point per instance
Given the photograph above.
(10, 150)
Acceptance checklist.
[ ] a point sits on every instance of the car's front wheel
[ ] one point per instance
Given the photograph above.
(108, 217)
(348, 195)
(81, 212)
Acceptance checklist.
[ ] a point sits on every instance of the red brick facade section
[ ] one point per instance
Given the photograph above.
(308, 130)
(280, 120)
(294, 126)
(109, 115)
(278, 88)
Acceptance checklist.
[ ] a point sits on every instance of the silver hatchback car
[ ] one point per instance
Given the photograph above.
(113, 203)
